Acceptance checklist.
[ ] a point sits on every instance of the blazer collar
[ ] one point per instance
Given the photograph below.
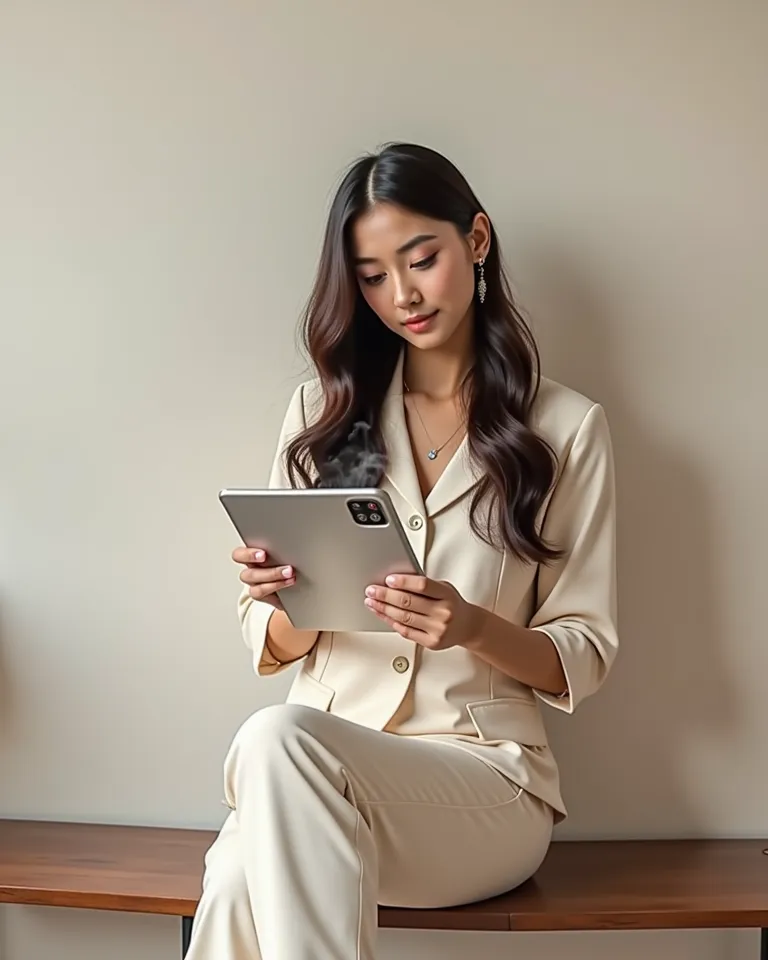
(459, 475)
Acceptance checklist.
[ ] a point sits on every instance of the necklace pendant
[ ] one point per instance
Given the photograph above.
(432, 454)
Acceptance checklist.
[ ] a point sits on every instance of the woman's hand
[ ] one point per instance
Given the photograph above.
(283, 641)
(429, 612)
(263, 582)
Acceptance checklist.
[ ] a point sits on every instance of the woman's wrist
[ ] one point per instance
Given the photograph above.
(284, 642)
(476, 628)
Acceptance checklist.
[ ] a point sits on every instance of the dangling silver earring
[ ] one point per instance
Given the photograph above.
(482, 287)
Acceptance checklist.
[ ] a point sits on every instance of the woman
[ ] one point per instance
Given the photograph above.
(411, 767)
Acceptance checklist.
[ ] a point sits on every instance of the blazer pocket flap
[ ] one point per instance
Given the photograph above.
(309, 692)
(509, 718)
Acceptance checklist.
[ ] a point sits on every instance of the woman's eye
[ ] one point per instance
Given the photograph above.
(426, 262)
(373, 281)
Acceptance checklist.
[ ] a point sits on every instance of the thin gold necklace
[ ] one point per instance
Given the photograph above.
(433, 450)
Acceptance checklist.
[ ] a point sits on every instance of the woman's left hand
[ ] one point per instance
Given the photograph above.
(430, 612)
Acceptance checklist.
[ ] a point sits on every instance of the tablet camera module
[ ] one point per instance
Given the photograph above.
(366, 513)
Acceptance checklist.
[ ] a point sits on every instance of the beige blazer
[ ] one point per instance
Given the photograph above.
(382, 681)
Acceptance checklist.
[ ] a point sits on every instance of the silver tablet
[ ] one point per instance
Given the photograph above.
(338, 540)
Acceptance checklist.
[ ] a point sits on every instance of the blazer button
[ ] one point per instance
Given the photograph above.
(415, 522)
(400, 664)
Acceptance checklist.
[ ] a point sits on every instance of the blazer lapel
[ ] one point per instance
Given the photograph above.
(401, 469)
(459, 476)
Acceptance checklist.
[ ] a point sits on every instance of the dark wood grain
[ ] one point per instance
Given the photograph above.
(674, 884)
(581, 886)
(101, 867)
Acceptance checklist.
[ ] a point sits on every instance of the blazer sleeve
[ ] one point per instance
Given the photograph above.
(255, 614)
(576, 595)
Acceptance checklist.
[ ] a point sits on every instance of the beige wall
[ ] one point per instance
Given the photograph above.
(165, 168)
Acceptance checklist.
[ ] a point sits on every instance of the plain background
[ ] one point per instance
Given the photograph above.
(165, 172)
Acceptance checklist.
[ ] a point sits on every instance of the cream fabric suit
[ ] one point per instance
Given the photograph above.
(457, 805)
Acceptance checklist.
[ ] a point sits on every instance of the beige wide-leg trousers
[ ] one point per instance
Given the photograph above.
(330, 818)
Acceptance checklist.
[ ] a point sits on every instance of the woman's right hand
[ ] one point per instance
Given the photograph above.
(263, 581)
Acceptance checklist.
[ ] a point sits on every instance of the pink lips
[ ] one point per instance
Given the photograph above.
(420, 323)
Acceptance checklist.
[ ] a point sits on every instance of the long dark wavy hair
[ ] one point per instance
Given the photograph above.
(355, 354)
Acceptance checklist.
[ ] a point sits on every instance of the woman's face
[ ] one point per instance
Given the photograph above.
(417, 274)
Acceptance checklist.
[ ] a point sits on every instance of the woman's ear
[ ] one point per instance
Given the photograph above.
(479, 237)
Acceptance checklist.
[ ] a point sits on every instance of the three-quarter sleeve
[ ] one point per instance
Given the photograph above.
(576, 595)
(255, 614)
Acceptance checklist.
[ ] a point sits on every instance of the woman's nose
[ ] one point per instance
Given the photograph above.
(405, 293)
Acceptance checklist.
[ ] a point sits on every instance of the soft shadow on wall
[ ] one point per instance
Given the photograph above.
(623, 753)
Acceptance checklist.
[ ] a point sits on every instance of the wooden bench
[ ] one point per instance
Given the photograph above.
(603, 885)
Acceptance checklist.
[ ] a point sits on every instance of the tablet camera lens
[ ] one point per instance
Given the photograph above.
(375, 517)
(362, 517)
(373, 506)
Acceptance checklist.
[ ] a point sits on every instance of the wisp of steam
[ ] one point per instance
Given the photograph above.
(357, 464)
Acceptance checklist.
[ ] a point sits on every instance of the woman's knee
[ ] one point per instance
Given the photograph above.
(273, 734)
(281, 723)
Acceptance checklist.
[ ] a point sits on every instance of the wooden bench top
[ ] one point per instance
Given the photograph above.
(581, 885)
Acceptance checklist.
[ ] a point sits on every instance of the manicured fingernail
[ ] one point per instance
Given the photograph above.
(287, 572)
(392, 581)
(369, 603)
(258, 556)
(370, 591)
